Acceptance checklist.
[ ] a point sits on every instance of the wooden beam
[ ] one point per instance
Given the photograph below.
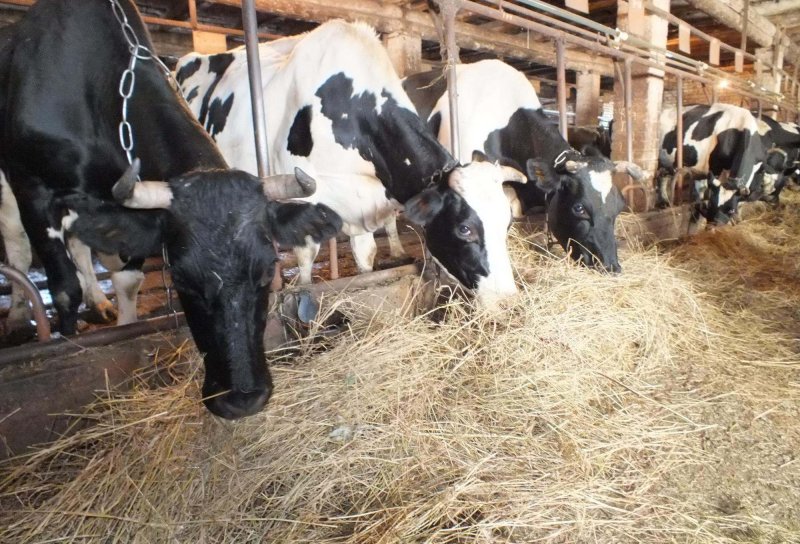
(768, 9)
(392, 18)
(760, 29)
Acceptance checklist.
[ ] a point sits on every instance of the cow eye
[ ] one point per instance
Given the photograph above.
(580, 209)
(464, 230)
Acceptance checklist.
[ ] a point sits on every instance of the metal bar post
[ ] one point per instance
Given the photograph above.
(33, 295)
(250, 25)
(679, 128)
(628, 112)
(448, 10)
(745, 21)
(561, 76)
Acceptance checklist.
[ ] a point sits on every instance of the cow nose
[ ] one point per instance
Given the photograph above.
(238, 404)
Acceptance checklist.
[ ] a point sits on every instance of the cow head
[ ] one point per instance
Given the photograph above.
(218, 228)
(466, 218)
(583, 204)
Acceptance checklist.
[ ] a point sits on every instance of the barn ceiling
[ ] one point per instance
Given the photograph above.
(289, 17)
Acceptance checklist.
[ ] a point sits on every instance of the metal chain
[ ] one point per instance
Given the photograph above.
(127, 81)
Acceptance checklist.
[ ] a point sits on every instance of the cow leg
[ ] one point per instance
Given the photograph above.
(665, 187)
(93, 295)
(364, 250)
(47, 238)
(395, 246)
(305, 259)
(513, 201)
(18, 253)
(126, 278)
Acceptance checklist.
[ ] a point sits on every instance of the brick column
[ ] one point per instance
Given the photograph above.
(405, 50)
(648, 90)
(587, 100)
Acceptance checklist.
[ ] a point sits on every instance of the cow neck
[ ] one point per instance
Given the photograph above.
(546, 141)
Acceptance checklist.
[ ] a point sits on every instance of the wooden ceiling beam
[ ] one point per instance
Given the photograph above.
(759, 29)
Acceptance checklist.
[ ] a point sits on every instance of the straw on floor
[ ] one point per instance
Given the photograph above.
(656, 406)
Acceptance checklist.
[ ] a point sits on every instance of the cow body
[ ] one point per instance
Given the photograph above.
(598, 138)
(723, 149)
(782, 144)
(59, 114)
(501, 116)
(336, 108)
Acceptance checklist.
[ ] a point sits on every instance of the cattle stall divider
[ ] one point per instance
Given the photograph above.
(33, 296)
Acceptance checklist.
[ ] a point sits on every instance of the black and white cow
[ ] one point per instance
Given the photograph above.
(724, 150)
(501, 116)
(336, 108)
(59, 114)
(598, 137)
(782, 144)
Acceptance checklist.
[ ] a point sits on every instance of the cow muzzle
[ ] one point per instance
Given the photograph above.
(238, 404)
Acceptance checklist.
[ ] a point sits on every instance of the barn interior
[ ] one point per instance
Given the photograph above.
(654, 406)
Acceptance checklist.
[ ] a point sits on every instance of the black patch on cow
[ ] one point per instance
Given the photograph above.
(690, 116)
(395, 141)
(300, 142)
(188, 70)
(218, 115)
(217, 64)
(528, 134)
(192, 94)
(425, 89)
(689, 155)
(444, 214)
(435, 122)
(705, 126)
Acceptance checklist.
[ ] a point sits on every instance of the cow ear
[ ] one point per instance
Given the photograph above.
(479, 156)
(422, 208)
(292, 222)
(113, 229)
(540, 171)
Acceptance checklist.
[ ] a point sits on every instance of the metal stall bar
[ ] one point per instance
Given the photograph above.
(628, 110)
(449, 9)
(250, 25)
(32, 293)
(545, 30)
(627, 49)
(561, 74)
(677, 182)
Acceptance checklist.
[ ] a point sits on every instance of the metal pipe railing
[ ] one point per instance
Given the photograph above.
(561, 77)
(618, 53)
(35, 298)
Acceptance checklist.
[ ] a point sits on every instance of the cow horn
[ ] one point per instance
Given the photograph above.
(123, 188)
(632, 169)
(141, 195)
(512, 174)
(283, 186)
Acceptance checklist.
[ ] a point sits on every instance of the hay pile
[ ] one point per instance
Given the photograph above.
(595, 409)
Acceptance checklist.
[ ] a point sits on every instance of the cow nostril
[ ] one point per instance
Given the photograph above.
(238, 404)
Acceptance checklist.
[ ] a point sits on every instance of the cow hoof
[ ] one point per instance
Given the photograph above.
(102, 313)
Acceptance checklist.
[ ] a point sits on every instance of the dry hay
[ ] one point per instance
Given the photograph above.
(595, 409)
